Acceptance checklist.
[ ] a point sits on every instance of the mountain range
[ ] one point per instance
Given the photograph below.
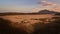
(33, 13)
(48, 12)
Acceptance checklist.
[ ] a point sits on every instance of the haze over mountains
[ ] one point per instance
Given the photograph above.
(39, 12)
(47, 12)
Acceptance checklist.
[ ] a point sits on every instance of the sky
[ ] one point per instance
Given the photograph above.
(22, 5)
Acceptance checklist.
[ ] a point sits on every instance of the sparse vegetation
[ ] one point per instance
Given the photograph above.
(39, 27)
(49, 28)
(5, 28)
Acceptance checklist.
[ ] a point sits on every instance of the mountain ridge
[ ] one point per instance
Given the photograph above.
(47, 12)
(33, 13)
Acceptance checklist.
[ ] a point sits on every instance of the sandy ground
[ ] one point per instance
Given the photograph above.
(18, 18)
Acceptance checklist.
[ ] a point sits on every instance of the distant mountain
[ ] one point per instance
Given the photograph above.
(33, 13)
(47, 12)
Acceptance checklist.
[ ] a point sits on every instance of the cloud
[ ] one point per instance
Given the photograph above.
(56, 8)
(45, 3)
(48, 5)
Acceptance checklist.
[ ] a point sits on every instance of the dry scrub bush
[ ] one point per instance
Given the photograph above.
(52, 27)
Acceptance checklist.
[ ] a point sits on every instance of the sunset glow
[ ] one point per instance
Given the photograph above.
(28, 5)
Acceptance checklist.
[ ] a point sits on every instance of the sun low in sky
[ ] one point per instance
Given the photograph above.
(24, 5)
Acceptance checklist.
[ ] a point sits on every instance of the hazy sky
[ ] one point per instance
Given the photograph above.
(21, 5)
